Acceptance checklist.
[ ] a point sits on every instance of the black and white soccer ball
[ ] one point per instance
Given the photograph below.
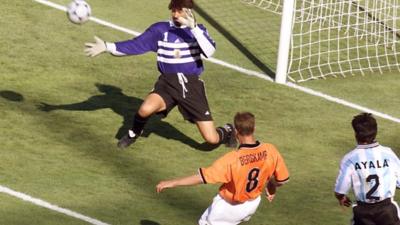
(78, 11)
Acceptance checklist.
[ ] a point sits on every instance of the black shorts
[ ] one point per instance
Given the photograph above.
(381, 213)
(192, 103)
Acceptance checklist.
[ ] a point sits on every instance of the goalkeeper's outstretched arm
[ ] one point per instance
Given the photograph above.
(207, 45)
(100, 46)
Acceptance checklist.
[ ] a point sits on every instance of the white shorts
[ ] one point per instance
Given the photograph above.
(222, 212)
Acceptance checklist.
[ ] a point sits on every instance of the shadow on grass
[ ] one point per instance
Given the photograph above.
(12, 96)
(231, 38)
(140, 175)
(125, 106)
(148, 222)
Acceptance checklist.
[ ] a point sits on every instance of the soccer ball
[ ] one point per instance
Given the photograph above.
(78, 11)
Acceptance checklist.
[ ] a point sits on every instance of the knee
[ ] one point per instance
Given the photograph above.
(152, 104)
(146, 111)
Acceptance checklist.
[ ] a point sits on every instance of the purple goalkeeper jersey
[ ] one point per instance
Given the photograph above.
(178, 51)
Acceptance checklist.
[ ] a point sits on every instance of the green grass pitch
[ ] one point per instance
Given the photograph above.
(68, 156)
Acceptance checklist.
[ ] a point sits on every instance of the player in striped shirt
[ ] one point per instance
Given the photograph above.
(373, 172)
(179, 44)
(243, 172)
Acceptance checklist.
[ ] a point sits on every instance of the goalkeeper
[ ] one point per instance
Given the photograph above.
(179, 44)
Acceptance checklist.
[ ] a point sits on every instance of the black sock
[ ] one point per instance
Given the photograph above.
(222, 135)
(138, 124)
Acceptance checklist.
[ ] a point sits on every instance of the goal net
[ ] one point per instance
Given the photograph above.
(335, 37)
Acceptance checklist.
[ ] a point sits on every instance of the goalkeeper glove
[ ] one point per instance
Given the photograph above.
(93, 49)
(189, 20)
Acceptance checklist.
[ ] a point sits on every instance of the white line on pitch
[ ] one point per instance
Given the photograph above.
(47, 205)
(245, 71)
(342, 102)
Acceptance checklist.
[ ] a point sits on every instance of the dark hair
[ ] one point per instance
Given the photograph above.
(244, 123)
(180, 4)
(365, 128)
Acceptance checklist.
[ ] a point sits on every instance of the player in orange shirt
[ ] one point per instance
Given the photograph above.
(243, 173)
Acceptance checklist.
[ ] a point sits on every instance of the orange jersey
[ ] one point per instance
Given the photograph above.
(244, 172)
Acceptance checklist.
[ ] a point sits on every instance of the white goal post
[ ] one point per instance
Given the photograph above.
(321, 38)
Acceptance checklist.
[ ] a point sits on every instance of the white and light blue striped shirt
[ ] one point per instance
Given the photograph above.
(372, 171)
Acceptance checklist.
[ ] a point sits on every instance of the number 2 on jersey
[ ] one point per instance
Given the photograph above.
(373, 189)
(252, 179)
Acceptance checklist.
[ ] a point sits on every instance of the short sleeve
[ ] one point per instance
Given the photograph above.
(397, 169)
(281, 173)
(219, 171)
(343, 180)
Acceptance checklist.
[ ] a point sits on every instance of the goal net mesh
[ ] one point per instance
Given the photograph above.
(339, 38)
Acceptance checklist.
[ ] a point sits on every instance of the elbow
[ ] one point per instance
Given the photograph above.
(209, 52)
(281, 182)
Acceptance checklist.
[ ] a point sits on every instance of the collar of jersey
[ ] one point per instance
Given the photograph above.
(373, 145)
(250, 145)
